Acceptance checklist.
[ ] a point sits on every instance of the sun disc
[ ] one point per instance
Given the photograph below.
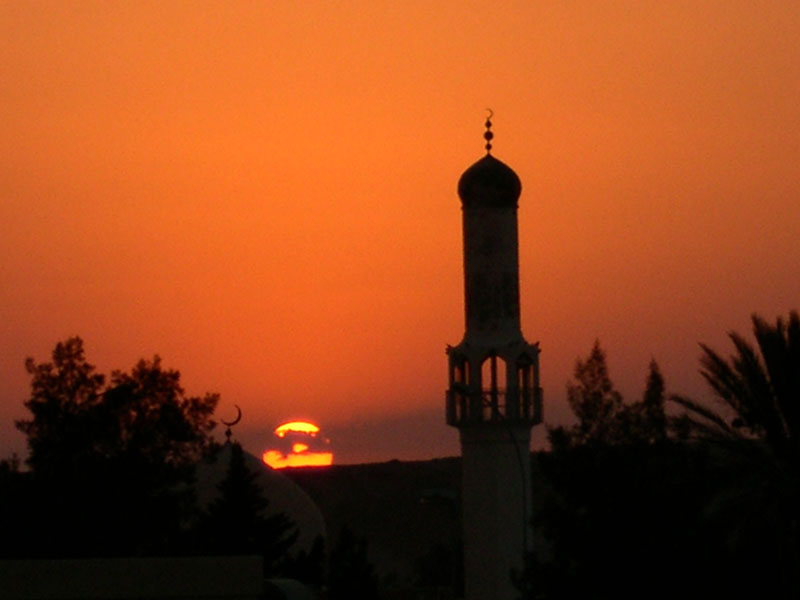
(298, 444)
(296, 427)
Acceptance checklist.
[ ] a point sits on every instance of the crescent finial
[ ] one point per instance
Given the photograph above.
(488, 135)
(230, 424)
(236, 420)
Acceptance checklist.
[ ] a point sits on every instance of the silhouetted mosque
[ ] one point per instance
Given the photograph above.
(494, 400)
(178, 577)
(494, 396)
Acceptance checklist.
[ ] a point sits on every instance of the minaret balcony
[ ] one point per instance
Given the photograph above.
(500, 406)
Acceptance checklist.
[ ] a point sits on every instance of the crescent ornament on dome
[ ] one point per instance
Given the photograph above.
(236, 420)
(488, 135)
(229, 424)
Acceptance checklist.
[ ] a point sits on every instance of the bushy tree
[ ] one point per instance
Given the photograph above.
(64, 393)
(593, 399)
(112, 463)
(307, 566)
(653, 404)
(615, 495)
(13, 509)
(720, 516)
(624, 521)
(351, 575)
(238, 520)
(603, 417)
(144, 415)
(644, 422)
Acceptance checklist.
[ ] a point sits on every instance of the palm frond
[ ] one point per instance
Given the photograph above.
(780, 347)
(789, 397)
(720, 376)
(704, 422)
(758, 405)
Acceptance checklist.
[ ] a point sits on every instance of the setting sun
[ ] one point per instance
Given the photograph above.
(298, 444)
(297, 427)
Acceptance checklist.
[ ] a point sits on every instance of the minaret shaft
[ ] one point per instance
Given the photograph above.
(491, 275)
(494, 396)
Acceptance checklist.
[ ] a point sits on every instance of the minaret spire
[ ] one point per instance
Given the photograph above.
(488, 135)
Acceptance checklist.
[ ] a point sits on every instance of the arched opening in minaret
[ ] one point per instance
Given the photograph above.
(493, 387)
(526, 384)
(458, 403)
(461, 371)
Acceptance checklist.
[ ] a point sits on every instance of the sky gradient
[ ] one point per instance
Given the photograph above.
(264, 194)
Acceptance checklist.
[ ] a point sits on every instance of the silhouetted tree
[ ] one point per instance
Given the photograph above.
(9, 465)
(351, 575)
(593, 399)
(624, 521)
(238, 521)
(759, 395)
(603, 417)
(653, 404)
(615, 494)
(756, 431)
(644, 422)
(14, 500)
(307, 566)
(112, 464)
(437, 568)
(144, 415)
(64, 393)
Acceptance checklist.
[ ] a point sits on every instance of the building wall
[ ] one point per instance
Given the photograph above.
(497, 508)
(202, 578)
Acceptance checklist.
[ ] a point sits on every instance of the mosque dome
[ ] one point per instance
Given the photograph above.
(283, 494)
(489, 183)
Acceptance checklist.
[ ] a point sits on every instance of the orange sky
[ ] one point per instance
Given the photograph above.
(263, 193)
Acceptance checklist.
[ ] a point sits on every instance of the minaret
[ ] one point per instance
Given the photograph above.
(494, 396)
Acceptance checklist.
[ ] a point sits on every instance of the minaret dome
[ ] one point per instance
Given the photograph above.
(489, 183)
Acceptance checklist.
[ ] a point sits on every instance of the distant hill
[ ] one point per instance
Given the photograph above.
(409, 513)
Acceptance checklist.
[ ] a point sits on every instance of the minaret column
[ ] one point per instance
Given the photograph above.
(494, 396)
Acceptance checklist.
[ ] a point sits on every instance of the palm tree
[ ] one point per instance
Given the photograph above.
(761, 395)
(758, 391)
